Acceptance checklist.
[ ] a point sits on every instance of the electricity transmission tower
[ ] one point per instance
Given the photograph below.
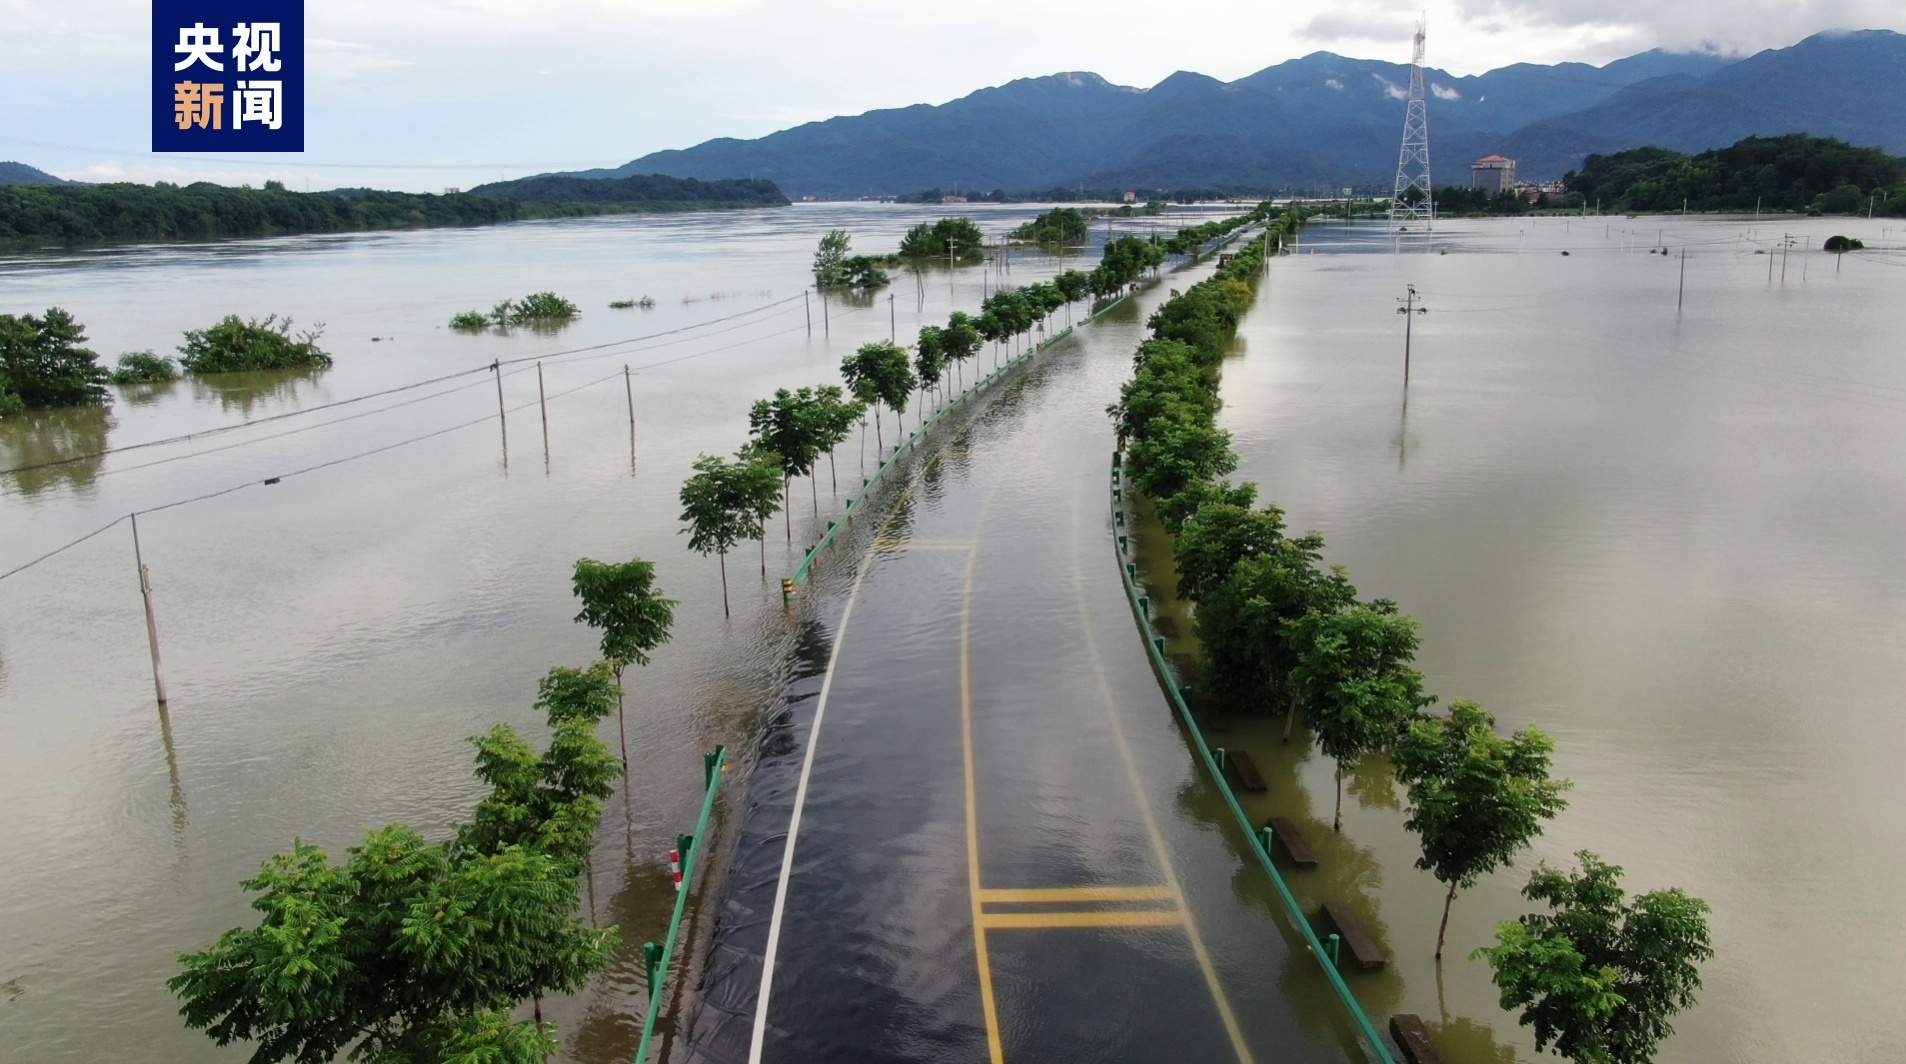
(1412, 161)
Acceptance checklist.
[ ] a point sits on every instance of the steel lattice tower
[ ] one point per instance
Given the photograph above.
(1412, 162)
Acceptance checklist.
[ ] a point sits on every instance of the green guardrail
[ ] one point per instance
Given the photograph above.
(655, 959)
(868, 483)
(1260, 838)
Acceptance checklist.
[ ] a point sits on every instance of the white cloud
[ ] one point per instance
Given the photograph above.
(1391, 88)
(1445, 92)
(1334, 83)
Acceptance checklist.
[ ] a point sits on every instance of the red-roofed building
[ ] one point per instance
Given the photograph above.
(1496, 173)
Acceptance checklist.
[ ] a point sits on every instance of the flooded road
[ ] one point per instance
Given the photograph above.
(1001, 847)
(332, 640)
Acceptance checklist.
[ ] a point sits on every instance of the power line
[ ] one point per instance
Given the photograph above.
(62, 549)
(249, 423)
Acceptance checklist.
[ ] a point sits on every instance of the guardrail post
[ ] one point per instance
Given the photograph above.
(1121, 544)
(1336, 950)
(651, 960)
(1217, 755)
(1265, 836)
(1131, 571)
(1158, 641)
(1145, 606)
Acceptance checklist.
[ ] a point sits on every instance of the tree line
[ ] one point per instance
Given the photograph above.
(411, 951)
(1795, 172)
(44, 363)
(730, 500)
(1598, 975)
(76, 213)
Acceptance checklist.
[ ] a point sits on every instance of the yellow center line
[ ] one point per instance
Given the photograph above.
(987, 1005)
(1100, 918)
(1058, 894)
(1159, 849)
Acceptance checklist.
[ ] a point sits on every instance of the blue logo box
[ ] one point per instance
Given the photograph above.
(227, 75)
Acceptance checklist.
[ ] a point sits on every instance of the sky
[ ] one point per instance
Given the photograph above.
(421, 96)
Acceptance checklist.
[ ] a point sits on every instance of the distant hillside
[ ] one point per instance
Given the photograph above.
(1322, 120)
(1791, 173)
(75, 213)
(1850, 86)
(656, 191)
(12, 173)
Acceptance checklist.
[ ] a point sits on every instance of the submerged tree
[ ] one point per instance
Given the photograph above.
(761, 487)
(792, 428)
(830, 260)
(1476, 798)
(1598, 976)
(413, 951)
(620, 600)
(1354, 678)
(718, 511)
(42, 362)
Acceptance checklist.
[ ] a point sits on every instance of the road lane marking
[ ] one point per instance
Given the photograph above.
(1059, 894)
(759, 1037)
(1159, 849)
(1098, 918)
(988, 1006)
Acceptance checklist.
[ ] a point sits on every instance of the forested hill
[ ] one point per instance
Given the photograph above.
(655, 189)
(12, 173)
(1790, 173)
(1322, 120)
(74, 213)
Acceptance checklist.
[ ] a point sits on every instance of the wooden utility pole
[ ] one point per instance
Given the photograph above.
(808, 309)
(542, 404)
(152, 624)
(893, 321)
(827, 325)
(1785, 240)
(1682, 295)
(629, 388)
(502, 416)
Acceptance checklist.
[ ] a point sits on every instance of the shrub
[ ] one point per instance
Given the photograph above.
(1840, 244)
(144, 367)
(42, 363)
(470, 321)
(234, 345)
(542, 307)
(622, 304)
(10, 404)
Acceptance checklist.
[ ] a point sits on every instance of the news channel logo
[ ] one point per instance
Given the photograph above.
(227, 76)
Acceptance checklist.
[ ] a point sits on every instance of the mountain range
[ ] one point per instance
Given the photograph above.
(1322, 120)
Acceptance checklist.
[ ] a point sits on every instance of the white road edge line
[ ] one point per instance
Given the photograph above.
(794, 820)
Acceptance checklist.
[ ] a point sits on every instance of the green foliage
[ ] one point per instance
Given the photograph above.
(929, 355)
(42, 363)
(935, 240)
(1476, 798)
(759, 485)
(830, 260)
(793, 427)
(836, 415)
(615, 304)
(620, 600)
(470, 321)
(412, 951)
(1352, 673)
(144, 367)
(1180, 448)
(718, 504)
(1073, 285)
(1840, 245)
(1220, 535)
(1244, 622)
(234, 344)
(1785, 173)
(79, 213)
(1060, 225)
(635, 192)
(1598, 976)
(880, 372)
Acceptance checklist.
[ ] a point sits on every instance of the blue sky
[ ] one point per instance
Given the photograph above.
(424, 95)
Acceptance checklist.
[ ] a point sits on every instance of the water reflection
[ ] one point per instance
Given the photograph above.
(55, 436)
(147, 393)
(243, 392)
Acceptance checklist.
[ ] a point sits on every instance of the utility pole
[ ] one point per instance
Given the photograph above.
(1785, 242)
(1409, 310)
(808, 309)
(502, 416)
(893, 322)
(1682, 295)
(1413, 200)
(629, 389)
(152, 625)
(542, 403)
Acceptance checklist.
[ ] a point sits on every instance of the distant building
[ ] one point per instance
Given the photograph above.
(451, 191)
(1533, 191)
(954, 198)
(1494, 173)
(1130, 197)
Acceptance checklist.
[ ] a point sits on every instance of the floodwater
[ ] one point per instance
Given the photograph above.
(1671, 540)
(331, 640)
